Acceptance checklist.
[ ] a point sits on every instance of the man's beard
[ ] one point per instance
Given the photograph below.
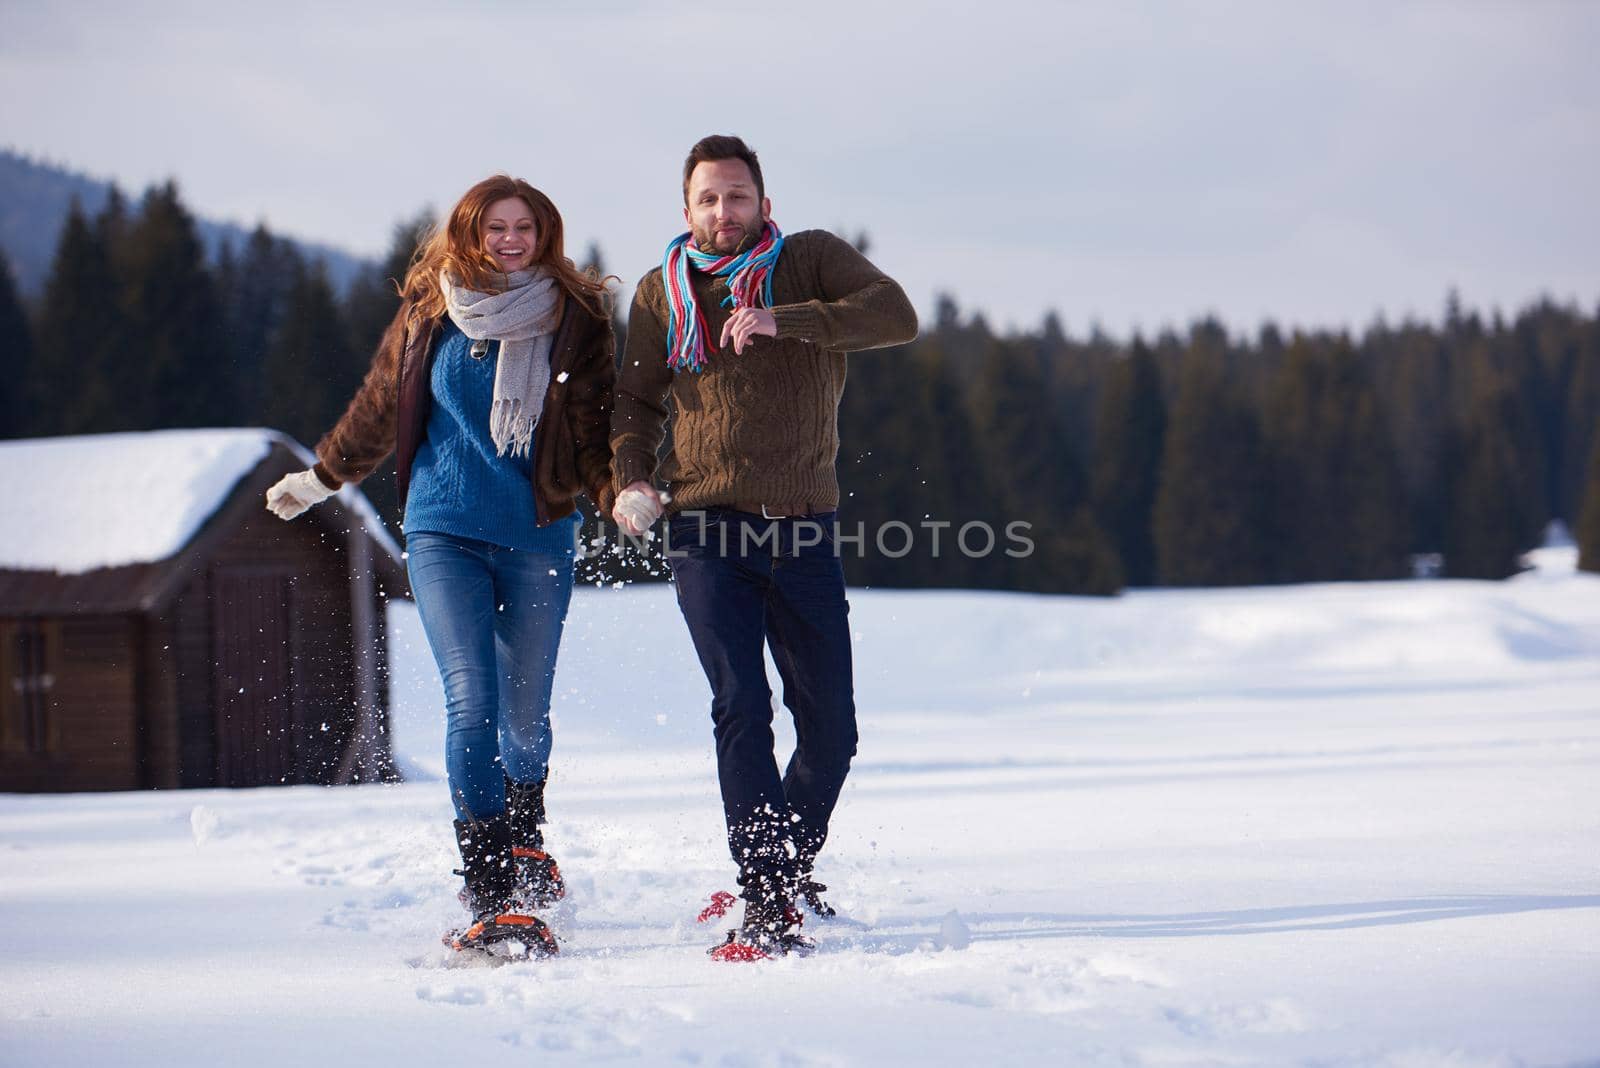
(706, 241)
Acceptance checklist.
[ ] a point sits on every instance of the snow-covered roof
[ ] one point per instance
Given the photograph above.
(74, 504)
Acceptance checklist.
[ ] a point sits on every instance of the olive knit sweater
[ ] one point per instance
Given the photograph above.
(763, 425)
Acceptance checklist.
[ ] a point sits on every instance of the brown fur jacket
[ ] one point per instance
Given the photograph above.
(389, 413)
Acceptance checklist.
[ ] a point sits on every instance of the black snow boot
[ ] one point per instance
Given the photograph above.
(809, 891)
(538, 878)
(490, 874)
(486, 865)
(771, 923)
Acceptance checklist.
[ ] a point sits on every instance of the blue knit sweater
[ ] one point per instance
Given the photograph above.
(459, 485)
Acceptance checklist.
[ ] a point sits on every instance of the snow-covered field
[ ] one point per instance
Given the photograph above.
(1325, 825)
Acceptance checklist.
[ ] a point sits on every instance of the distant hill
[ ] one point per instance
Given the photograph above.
(35, 198)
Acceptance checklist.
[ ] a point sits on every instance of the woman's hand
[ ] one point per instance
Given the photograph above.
(293, 494)
(637, 508)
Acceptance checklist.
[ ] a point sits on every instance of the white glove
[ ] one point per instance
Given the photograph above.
(293, 494)
(636, 510)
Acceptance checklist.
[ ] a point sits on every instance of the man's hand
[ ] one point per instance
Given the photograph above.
(637, 508)
(746, 323)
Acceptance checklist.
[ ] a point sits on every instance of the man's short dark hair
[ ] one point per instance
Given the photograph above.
(722, 146)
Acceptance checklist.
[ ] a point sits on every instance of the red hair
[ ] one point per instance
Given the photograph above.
(456, 246)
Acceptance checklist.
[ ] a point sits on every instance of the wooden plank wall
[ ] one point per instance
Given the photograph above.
(313, 560)
(158, 686)
(92, 711)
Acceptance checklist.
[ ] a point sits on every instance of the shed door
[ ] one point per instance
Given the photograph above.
(253, 684)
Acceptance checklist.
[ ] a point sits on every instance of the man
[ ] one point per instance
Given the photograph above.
(746, 330)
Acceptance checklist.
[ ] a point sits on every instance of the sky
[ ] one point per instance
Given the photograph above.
(1130, 166)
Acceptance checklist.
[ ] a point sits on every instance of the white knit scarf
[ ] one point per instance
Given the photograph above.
(522, 316)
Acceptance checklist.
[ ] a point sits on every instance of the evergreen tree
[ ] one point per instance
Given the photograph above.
(172, 370)
(1297, 474)
(1337, 510)
(1270, 343)
(1019, 448)
(1589, 522)
(111, 226)
(1028, 473)
(374, 295)
(1535, 427)
(1581, 420)
(16, 355)
(1131, 428)
(1169, 351)
(905, 456)
(1487, 527)
(73, 385)
(1412, 372)
(1210, 507)
(254, 288)
(310, 373)
(1376, 523)
(1540, 347)
(1080, 558)
(1075, 377)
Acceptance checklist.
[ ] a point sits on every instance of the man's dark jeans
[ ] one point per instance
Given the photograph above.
(744, 580)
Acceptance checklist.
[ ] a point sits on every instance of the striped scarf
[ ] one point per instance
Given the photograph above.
(749, 287)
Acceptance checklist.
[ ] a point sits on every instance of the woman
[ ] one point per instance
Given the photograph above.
(493, 387)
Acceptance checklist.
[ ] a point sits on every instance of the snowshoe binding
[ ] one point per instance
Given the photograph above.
(811, 896)
(539, 882)
(499, 926)
(743, 945)
(538, 877)
(771, 926)
(508, 936)
(721, 902)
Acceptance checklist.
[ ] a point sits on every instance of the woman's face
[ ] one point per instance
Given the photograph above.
(509, 235)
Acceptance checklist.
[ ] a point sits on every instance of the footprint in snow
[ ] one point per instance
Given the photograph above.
(452, 995)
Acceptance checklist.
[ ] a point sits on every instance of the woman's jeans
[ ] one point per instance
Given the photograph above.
(493, 617)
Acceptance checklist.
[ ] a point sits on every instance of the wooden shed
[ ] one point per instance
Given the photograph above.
(160, 628)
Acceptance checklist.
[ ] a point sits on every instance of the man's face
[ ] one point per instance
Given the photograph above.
(723, 213)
